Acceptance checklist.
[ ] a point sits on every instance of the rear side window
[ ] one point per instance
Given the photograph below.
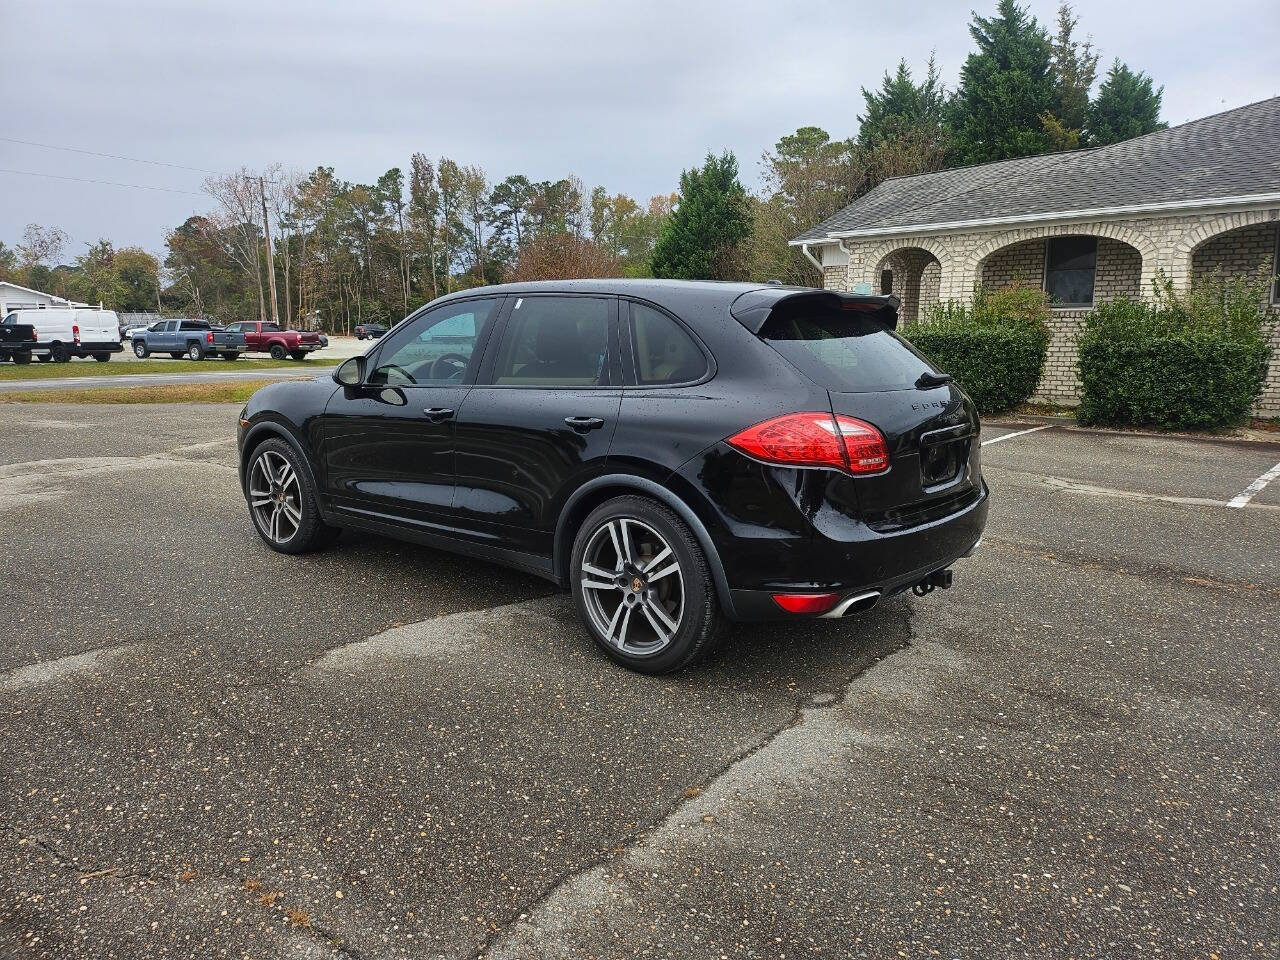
(845, 351)
(663, 352)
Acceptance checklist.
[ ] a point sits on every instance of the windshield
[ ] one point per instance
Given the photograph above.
(845, 351)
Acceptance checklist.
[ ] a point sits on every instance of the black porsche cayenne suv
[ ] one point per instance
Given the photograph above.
(678, 454)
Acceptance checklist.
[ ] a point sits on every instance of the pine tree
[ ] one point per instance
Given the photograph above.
(901, 108)
(1005, 88)
(1126, 106)
(1075, 67)
(702, 235)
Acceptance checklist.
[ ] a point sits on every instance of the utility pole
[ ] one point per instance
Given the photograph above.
(271, 259)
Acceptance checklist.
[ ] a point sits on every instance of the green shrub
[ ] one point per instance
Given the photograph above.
(994, 347)
(1184, 361)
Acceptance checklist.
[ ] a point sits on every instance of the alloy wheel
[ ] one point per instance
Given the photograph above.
(633, 586)
(275, 496)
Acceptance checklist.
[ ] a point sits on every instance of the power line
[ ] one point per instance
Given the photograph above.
(110, 156)
(109, 183)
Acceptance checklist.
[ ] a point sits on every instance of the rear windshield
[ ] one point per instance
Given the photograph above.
(845, 351)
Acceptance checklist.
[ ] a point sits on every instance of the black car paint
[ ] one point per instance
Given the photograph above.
(766, 528)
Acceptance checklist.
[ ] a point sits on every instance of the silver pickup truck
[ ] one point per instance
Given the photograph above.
(193, 339)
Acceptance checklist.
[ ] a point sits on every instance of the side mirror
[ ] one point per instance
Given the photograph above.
(350, 372)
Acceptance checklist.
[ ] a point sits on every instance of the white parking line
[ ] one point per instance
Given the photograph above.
(1016, 433)
(1255, 488)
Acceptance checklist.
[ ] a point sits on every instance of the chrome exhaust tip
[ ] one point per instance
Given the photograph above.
(851, 605)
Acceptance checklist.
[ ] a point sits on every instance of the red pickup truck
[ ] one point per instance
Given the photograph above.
(269, 338)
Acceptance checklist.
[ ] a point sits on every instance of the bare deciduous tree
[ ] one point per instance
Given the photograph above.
(237, 224)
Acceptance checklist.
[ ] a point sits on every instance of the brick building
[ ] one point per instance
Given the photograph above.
(1086, 225)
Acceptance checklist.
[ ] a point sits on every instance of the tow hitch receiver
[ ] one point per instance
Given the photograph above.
(939, 579)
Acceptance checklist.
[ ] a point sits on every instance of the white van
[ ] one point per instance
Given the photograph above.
(66, 332)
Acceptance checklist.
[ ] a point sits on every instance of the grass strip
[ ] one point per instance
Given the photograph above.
(237, 391)
(128, 368)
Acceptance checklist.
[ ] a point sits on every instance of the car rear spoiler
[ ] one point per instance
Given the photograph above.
(753, 308)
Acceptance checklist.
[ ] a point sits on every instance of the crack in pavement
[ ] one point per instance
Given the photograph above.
(536, 923)
(1148, 571)
(230, 884)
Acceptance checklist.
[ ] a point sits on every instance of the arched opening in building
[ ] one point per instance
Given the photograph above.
(1076, 271)
(915, 275)
(1252, 251)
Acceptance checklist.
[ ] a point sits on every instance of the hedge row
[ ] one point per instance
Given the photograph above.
(994, 347)
(1181, 361)
(999, 369)
(1193, 381)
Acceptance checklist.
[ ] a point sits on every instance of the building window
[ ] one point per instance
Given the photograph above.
(886, 282)
(1069, 270)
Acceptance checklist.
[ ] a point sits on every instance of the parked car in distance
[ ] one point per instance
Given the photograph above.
(374, 331)
(69, 332)
(677, 454)
(18, 340)
(193, 339)
(271, 338)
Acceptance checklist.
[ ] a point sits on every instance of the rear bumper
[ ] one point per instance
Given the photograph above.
(103, 346)
(873, 563)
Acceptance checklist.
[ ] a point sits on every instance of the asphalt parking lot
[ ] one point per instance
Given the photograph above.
(384, 751)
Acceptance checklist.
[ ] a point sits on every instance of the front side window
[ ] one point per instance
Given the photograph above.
(1070, 267)
(663, 352)
(435, 349)
(555, 342)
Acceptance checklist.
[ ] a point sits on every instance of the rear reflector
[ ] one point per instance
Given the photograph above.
(806, 602)
(816, 440)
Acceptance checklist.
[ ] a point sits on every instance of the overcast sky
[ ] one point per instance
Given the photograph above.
(621, 94)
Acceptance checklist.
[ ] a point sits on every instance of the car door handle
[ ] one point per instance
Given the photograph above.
(583, 424)
(438, 414)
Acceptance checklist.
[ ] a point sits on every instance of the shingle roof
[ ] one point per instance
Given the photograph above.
(1230, 154)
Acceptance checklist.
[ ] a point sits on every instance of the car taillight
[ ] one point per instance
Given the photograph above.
(208, 337)
(75, 332)
(806, 602)
(816, 440)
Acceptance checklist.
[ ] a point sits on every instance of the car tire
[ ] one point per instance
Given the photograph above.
(231, 356)
(21, 358)
(140, 350)
(278, 526)
(278, 352)
(102, 357)
(630, 616)
(177, 355)
(299, 354)
(195, 350)
(58, 353)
